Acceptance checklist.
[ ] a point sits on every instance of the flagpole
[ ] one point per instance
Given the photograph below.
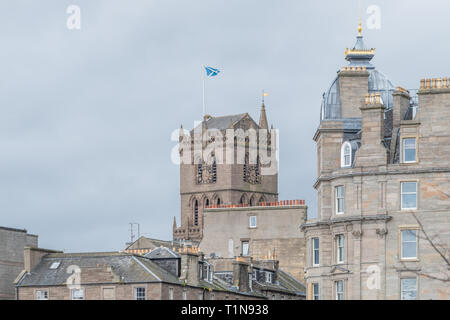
(204, 99)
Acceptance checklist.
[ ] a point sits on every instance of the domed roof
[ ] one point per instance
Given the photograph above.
(359, 56)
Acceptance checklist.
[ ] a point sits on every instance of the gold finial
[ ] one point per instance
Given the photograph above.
(359, 24)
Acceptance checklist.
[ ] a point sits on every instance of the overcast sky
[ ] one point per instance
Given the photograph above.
(86, 115)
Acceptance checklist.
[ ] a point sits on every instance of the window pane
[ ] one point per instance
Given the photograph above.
(316, 243)
(340, 192)
(410, 155)
(245, 248)
(409, 187)
(409, 143)
(340, 205)
(252, 222)
(409, 201)
(409, 235)
(409, 250)
(409, 289)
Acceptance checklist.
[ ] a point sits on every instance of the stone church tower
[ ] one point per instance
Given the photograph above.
(220, 182)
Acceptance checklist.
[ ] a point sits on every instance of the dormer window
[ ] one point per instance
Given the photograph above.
(346, 155)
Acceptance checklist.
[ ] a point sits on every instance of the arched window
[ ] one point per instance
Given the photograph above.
(199, 173)
(219, 202)
(242, 201)
(261, 200)
(196, 212)
(207, 203)
(252, 201)
(346, 155)
(214, 171)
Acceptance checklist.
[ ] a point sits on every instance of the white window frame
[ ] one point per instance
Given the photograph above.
(254, 225)
(316, 293)
(344, 164)
(340, 249)
(41, 295)
(76, 290)
(407, 193)
(337, 292)
(340, 198)
(313, 251)
(245, 253)
(170, 293)
(404, 149)
(184, 294)
(401, 287)
(136, 289)
(416, 242)
(268, 277)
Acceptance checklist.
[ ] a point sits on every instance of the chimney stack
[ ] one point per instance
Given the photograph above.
(353, 86)
(32, 256)
(189, 266)
(241, 274)
(402, 100)
(372, 151)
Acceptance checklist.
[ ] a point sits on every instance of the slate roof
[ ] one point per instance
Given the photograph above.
(129, 268)
(223, 122)
(162, 253)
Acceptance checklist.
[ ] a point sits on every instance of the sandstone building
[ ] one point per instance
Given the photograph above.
(162, 274)
(383, 188)
(266, 231)
(205, 181)
(231, 209)
(12, 244)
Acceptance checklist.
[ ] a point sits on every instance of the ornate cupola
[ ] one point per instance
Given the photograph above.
(360, 55)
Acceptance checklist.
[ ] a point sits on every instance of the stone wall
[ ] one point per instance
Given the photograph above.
(12, 243)
(277, 234)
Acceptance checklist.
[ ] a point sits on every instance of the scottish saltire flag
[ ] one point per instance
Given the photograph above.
(211, 72)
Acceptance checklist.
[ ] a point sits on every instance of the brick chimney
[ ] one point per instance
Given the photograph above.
(241, 274)
(353, 87)
(189, 266)
(372, 151)
(401, 104)
(32, 256)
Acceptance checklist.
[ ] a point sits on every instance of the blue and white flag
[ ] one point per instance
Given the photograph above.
(211, 72)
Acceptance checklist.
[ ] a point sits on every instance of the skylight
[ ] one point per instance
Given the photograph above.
(55, 265)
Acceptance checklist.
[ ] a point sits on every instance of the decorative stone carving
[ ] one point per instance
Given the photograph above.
(206, 174)
(251, 172)
(381, 232)
(357, 234)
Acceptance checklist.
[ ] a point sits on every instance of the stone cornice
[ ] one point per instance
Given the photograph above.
(433, 91)
(406, 170)
(334, 221)
(222, 190)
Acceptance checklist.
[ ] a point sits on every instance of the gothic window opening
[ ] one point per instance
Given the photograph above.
(219, 202)
(261, 200)
(251, 172)
(207, 173)
(199, 173)
(196, 212)
(207, 203)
